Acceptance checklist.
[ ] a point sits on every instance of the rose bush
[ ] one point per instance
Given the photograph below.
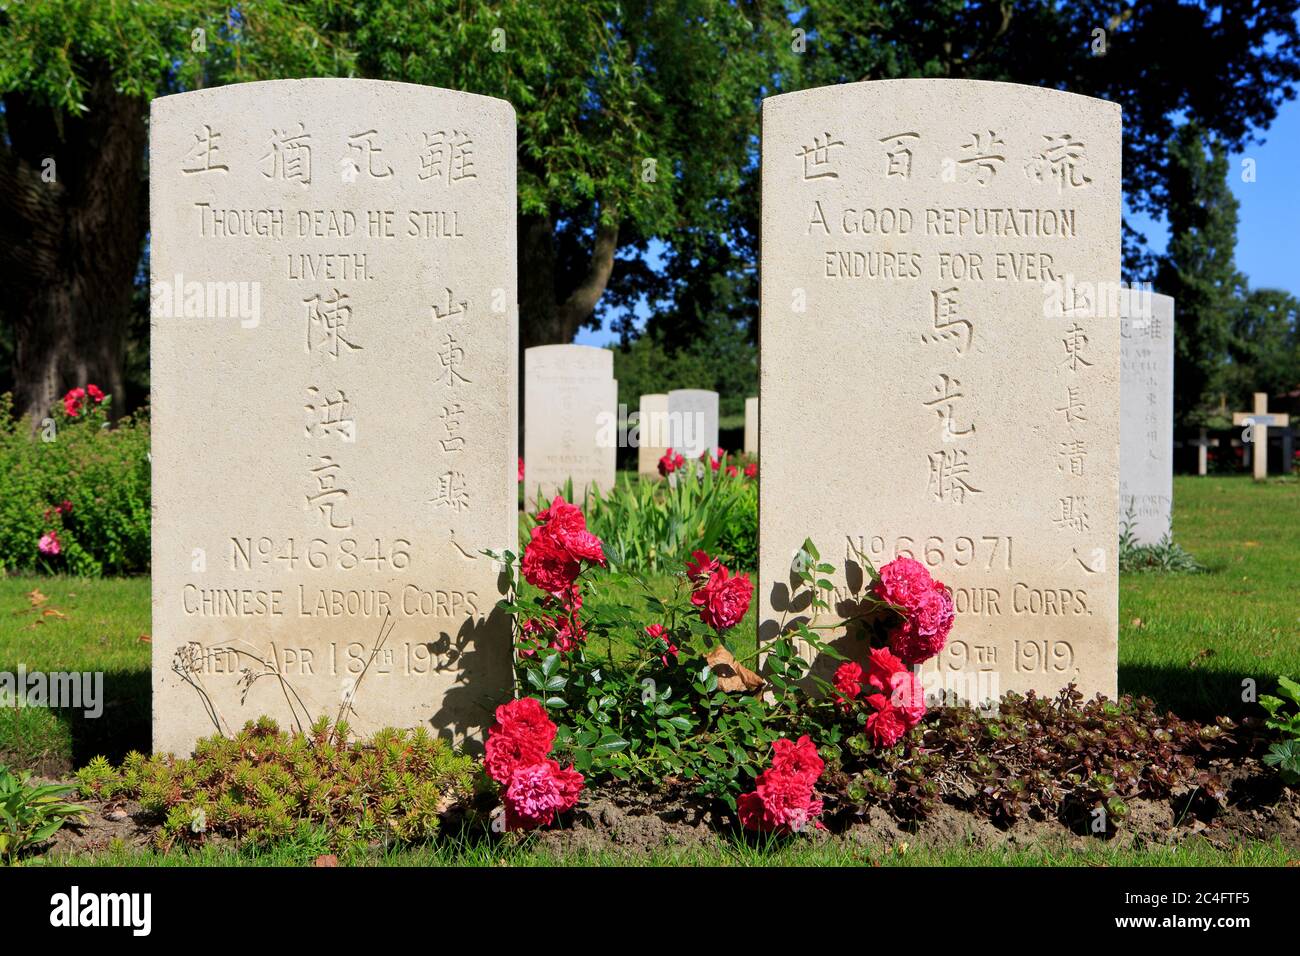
(74, 490)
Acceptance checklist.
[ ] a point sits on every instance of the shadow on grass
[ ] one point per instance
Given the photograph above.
(58, 741)
(1192, 692)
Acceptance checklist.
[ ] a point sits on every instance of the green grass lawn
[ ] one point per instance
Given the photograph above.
(1187, 640)
(726, 851)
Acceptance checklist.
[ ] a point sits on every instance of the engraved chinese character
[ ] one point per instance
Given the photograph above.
(330, 415)
(447, 157)
(898, 155)
(817, 158)
(452, 421)
(202, 156)
(364, 155)
(983, 159)
(946, 323)
(949, 476)
(1071, 514)
(946, 393)
(1073, 453)
(328, 493)
(450, 307)
(451, 492)
(1074, 406)
(290, 156)
(327, 324)
(1061, 160)
(451, 355)
(1074, 341)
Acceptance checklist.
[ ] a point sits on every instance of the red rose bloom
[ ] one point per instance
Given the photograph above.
(670, 462)
(884, 665)
(723, 600)
(95, 394)
(547, 565)
(848, 681)
(783, 800)
(751, 470)
(732, 471)
(521, 736)
(797, 758)
(73, 401)
(568, 526)
(699, 566)
(886, 726)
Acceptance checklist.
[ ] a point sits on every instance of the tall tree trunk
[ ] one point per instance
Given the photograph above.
(73, 216)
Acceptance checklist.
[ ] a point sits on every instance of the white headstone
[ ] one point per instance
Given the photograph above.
(935, 378)
(693, 422)
(570, 419)
(1146, 454)
(751, 426)
(652, 433)
(333, 404)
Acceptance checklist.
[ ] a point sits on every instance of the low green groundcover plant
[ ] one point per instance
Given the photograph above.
(74, 493)
(1163, 556)
(265, 785)
(1284, 718)
(31, 813)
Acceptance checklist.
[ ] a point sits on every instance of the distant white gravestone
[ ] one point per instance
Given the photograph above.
(693, 422)
(652, 433)
(937, 378)
(751, 426)
(570, 419)
(333, 399)
(1146, 454)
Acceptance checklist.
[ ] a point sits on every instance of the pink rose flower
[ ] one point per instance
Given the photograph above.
(73, 401)
(95, 394)
(536, 793)
(49, 543)
(848, 681)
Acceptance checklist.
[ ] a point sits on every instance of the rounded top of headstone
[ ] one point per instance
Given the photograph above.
(588, 359)
(932, 92)
(382, 91)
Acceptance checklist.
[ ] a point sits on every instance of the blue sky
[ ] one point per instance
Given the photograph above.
(1268, 228)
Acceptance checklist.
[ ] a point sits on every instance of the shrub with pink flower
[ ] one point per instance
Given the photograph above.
(534, 787)
(559, 547)
(784, 798)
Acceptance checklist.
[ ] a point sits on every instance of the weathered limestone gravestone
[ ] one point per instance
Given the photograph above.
(751, 426)
(652, 433)
(570, 423)
(1257, 424)
(333, 378)
(940, 373)
(1146, 452)
(693, 421)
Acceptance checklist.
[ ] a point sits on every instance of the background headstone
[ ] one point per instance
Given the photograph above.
(333, 382)
(570, 419)
(935, 377)
(751, 426)
(1146, 452)
(693, 421)
(653, 433)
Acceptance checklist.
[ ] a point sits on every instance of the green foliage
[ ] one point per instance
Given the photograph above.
(1164, 556)
(650, 526)
(717, 355)
(1285, 753)
(1059, 758)
(1199, 269)
(103, 471)
(30, 813)
(739, 541)
(265, 785)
